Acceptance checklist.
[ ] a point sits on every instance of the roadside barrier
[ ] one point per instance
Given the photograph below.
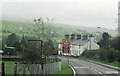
(17, 68)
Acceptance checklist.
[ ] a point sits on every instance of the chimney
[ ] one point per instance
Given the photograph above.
(85, 37)
(78, 37)
(72, 36)
(66, 36)
(91, 37)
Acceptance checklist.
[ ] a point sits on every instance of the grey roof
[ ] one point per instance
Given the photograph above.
(79, 42)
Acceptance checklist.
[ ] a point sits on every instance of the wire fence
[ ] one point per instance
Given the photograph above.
(17, 68)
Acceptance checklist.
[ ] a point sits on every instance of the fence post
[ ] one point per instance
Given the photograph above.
(24, 70)
(15, 69)
(42, 67)
(37, 70)
(3, 69)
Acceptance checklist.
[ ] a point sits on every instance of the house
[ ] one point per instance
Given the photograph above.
(80, 43)
(10, 51)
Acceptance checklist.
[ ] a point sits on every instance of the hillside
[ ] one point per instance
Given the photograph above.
(27, 28)
(88, 29)
(59, 30)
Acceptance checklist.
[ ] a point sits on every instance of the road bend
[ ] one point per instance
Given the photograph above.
(83, 67)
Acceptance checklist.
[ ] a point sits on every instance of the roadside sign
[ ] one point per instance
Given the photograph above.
(66, 45)
(43, 56)
(65, 41)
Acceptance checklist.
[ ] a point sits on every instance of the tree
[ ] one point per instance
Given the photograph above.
(12, 39)
(32, 52)
(18, 46)
(43, 29)
(102, 54)
(104, 43)
(112, 55)
(105, 36)
(115, 43)
(48, 48)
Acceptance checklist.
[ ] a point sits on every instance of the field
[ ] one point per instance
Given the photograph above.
(10, 65)
(9, 68)
(26, 28)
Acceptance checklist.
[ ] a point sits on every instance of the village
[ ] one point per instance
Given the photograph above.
(60, 38)
(79, 44)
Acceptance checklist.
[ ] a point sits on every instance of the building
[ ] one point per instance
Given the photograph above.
(80, 43)
(10, 51)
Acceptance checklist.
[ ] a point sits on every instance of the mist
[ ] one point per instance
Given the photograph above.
(82, 13)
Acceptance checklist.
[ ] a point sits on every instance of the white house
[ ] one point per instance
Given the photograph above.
(80, 44)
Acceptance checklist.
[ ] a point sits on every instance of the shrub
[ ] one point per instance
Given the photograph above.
(102, 53)
(112, 55)
(89, 53)
(32, 52)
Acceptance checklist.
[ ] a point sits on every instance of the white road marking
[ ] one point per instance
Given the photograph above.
(80, 67)
(112, 72)
(96, 70)
(73, 70)
(87, 66)
(99, 72)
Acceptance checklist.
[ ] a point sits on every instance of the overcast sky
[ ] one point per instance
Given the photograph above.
(92, 13)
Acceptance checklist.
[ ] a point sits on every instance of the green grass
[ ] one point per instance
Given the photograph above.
(115, 63)
(9, 68)
(28, 27)
(66, 69)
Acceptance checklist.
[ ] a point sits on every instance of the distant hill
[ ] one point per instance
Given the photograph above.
(61, 29)
(88, 29)
(26, 28)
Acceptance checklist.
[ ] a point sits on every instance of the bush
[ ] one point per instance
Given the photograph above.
(18, 46)
(89, 53)
(32, 52)
(118, 56)
(102, 53)
(12, 39)
(109, 55)
(83, 54)
(112, 55)
(48, 47)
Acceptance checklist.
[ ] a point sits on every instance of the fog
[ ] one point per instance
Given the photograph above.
(102, 13)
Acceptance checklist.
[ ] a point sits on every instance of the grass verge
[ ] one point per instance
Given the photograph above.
(115, 63)
(65, 70)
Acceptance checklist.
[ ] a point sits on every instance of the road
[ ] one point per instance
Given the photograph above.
(88, 68)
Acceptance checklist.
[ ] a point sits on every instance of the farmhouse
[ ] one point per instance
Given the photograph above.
(80, 43)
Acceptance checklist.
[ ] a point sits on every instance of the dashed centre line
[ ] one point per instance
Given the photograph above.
(96, 70)
(80, 67)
